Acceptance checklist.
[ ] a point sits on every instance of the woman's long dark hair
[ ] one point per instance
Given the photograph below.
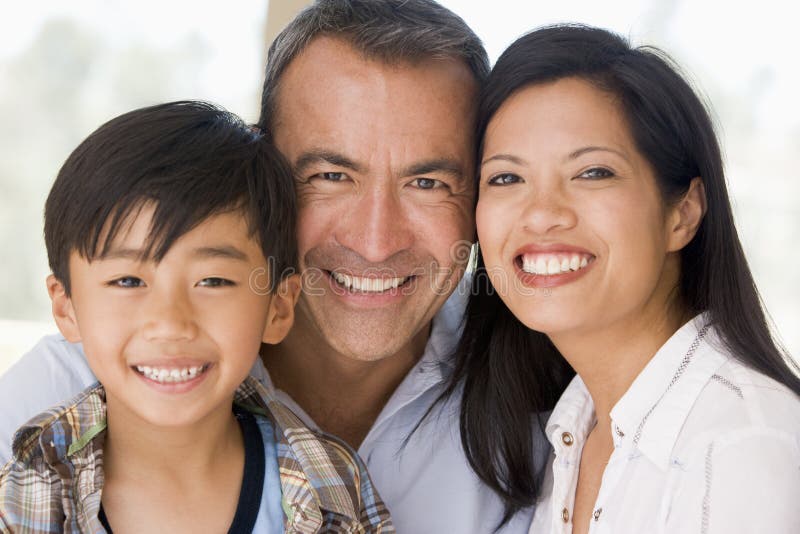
(511, 374)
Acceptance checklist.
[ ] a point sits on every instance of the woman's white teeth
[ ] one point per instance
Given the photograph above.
(171, 375)
(549, 264)
(368, 285)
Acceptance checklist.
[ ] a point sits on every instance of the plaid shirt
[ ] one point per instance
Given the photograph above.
(54, 480)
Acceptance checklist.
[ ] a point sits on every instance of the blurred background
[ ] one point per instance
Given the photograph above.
(67, 67)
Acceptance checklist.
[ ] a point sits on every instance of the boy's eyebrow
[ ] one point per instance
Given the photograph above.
(224, 251)
(123, 254)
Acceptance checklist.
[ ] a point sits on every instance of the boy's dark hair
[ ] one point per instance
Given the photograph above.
(190, 159)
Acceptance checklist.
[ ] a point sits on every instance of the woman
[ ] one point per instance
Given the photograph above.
(606, 232)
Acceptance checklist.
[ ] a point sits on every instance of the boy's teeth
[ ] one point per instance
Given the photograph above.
(171, 375)
(368, 285)
(550, 264)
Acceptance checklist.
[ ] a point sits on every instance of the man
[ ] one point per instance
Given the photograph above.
(373, 104)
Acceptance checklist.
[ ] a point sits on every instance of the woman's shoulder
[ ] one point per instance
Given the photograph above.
(740, 405)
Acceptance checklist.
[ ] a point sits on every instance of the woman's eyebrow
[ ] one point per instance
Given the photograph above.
(596, 148)
(505, 157)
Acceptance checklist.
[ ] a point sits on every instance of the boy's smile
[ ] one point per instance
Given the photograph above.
(172, 340)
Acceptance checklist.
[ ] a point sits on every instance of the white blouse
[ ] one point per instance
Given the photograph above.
(702, 444)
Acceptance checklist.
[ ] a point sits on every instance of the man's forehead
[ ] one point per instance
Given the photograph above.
(330, 70)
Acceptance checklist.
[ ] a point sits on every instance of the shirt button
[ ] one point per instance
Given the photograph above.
(565, 515)
(597, 514)
(619, 432)
(567, 439)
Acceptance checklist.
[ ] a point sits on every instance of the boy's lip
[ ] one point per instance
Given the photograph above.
(176, 362)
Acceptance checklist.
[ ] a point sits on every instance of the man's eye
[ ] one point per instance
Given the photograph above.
(332, 176)
(504, 179)
(596, 173)
(428, 183)
(127, 282)
(214, 281)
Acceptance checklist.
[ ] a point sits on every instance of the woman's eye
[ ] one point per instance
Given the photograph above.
(215, 282)
(504, 179)
(428, 183)
(596, 173)
(127, 282)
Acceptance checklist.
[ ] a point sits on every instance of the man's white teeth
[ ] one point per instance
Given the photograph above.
(368, 285)
(550, 264)
(171, 375)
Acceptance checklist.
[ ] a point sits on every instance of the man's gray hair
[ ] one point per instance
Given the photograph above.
(387, 30)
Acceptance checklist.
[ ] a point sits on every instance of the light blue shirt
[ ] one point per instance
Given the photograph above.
(427, 485)
(270, 513)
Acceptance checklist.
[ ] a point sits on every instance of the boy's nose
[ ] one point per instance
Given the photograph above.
(169, 318)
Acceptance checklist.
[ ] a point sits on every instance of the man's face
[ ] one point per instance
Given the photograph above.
(383, 157)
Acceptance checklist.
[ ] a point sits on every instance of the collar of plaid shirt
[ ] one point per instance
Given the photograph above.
(324, 484)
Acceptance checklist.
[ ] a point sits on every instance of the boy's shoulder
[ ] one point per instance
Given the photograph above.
(60, 431)
(42, 466)
(325, 484)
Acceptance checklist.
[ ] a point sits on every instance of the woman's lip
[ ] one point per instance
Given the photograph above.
(551, 249)
(541, 281)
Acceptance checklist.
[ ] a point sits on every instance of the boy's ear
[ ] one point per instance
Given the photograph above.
(686, 216)
(280, 317)
(63, 311)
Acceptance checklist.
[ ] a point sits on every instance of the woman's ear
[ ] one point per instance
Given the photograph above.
(63, 310)
(280, 316)
(686, 216)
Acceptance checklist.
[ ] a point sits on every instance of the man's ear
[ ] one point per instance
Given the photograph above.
(63, 311)
(686, 216)
(280, 317)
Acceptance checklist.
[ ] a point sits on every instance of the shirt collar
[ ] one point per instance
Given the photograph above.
(655, 407)
(572, 418)
(310, 463)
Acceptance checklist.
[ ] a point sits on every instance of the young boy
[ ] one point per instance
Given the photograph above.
(170, 234)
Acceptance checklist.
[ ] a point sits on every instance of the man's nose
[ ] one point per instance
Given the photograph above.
(169, 317)
(377, 225)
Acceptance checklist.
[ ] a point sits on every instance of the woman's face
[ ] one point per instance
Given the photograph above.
(571, 223)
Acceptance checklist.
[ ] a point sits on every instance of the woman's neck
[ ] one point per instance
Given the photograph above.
(609, 358)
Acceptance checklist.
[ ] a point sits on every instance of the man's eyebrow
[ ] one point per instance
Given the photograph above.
(223, 251)
(505, 157)
(445, 165)
(583, 150)
(312, 157)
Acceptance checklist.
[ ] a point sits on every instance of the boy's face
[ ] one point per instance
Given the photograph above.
(171, 341)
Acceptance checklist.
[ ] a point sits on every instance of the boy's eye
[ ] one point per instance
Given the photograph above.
(504, 179)
(127, 282)
(215, 281)
(596, 173)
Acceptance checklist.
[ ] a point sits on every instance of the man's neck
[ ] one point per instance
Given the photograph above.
(344, 396)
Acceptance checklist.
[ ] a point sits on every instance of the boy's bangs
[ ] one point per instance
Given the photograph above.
(169, 222)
